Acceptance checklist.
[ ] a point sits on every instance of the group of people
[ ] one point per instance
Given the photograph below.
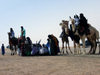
(52, 45)
(12, 36)
(22, 35)
(81, 24)
(50, 48)
(27, 48)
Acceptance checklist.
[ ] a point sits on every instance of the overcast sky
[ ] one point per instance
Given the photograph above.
(42, 17)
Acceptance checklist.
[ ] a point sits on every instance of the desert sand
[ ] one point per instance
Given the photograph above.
(49, 65)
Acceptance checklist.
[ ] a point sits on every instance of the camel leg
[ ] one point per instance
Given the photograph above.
(99, 48)
(11, 48)
(94, 48)
(62, 50)
(11, 52)
(79, 49)
(69, 48)
(83, 41)
(15, 49)
(90, 49)
(66, 49)
(91, 43)
(98, 45)
(93, 52)
(94, 43)
(75, 48)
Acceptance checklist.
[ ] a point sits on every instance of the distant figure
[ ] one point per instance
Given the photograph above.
(12, 33)
(29, 40)
(23, 32)
(3, 49)
(54, 44)
(83, 24)
(28, 46)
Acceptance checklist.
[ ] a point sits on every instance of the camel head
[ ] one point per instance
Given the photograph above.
(61, 24)
(9, 34)
(64, 25)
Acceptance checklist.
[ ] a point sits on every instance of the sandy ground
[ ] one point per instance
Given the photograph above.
(50, 65)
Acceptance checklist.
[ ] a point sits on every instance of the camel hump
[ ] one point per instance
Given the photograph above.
(94, 30)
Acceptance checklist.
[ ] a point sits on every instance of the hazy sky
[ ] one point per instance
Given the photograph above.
(42, 17)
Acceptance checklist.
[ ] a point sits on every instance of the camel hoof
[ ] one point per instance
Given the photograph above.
(67, 52)
(63, 52)
(13, 53)
(71, 52)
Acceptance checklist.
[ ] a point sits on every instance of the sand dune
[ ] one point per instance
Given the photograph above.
(50, 65)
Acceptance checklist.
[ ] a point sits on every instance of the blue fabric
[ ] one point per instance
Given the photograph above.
(24, 32)
(48, 46)
(3, 50)
(12, 35)
(34, 51)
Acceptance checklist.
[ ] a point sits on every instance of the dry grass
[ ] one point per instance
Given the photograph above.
(50, 65)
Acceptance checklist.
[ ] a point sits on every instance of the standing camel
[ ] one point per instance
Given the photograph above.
(64, 38)
(92, 37)
(13, 42)
(70, 33)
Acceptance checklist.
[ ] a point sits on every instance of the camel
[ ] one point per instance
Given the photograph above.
(75, 38)
(92, 37)
(13, 44)
(64, 38)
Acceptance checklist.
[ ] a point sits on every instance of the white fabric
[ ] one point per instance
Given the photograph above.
(76, 21)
